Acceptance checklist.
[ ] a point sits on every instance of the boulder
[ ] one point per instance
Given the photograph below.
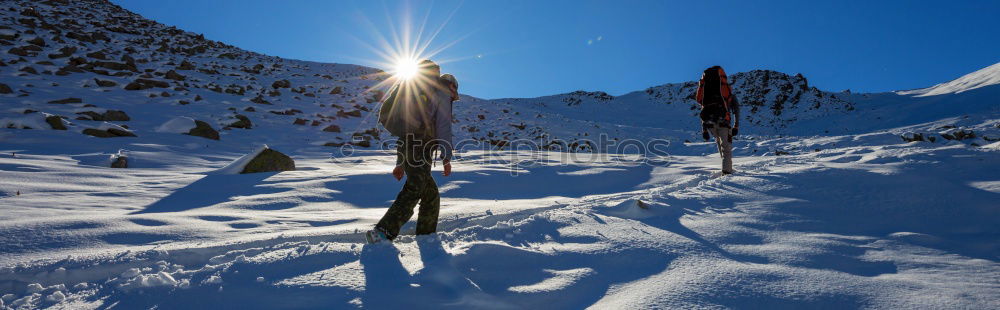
(361, 143)
(204, 130)
(18, 51)
(353, 113)
(67, 100)
(37, 41)
(98, 55)
(120, 162)
(912, 137)
(110, 115)
(116, 115)
(141, 84)
(332, 128)
(243, 122)
(269, 161)
(281, 84)
(109, 133)
(63, 52)
(29, 69)
(120, 133)
(173, 75)
(960, 134)
(259, 100)
(185, 65)
(111, 65)
(55, 122)
(105, 83)
(4, 89)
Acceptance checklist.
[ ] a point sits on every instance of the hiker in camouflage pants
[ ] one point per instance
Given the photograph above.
(720, 109)
(416, 161)
(415, 156)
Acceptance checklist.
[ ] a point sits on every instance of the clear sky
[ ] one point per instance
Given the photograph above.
(543, 47)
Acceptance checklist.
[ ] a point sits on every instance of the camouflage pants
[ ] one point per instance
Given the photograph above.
(420, 187)
(724, 141)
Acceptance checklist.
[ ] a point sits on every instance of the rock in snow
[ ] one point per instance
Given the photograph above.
(189, 126)
(204, 130)
(262, 159)
(269, 161)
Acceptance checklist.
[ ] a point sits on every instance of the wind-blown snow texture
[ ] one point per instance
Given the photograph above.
(843, 200)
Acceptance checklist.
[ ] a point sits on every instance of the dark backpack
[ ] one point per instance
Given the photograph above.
(713, 105)
(406, 109)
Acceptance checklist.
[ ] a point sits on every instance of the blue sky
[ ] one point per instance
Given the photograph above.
(535, 48)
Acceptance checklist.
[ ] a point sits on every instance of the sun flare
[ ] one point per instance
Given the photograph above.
(406, 68)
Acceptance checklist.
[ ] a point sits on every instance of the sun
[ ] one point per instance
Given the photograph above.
(406, 68)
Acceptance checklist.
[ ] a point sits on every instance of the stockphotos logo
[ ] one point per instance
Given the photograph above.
(519, 154)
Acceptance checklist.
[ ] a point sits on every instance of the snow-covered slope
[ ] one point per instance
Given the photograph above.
(842, 200)
(984, 77)
(92, 65)
(91, 62)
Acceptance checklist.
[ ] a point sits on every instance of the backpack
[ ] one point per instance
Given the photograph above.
(714, 95)
(407, 109)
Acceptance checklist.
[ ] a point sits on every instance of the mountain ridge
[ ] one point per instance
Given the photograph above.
(92, 66)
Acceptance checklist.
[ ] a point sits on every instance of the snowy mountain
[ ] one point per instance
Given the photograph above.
(90, 67)
(982, 78)
(841, 200)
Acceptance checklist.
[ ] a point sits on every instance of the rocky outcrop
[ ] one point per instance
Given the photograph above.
(173, 75)
(242, 122)
(55, 122)
(269, 161)
(120, 162)
(281, 84)
(960, 134)
(141, 84)
(915, 137)
(108, 133)
(105, 83)
(109, 115)
(204, 130)
(67, 100)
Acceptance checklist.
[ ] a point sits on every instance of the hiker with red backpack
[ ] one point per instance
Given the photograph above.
(720, 113)
(418, 111)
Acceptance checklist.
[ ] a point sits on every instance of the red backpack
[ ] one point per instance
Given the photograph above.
(714, 95)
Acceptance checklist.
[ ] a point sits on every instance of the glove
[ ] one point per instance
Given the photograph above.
(704, 134)
(735, 131)
(398, 173)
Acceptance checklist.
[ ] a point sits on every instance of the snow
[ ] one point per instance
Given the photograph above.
(180, 124)
(848, 225)
(239, 164)
(982, 78)
(32, 120)
(830, 207)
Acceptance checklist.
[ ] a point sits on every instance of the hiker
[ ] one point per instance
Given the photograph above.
(719, 110)
(419, 110)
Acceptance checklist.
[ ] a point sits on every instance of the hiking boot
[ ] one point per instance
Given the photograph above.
(375, 236)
